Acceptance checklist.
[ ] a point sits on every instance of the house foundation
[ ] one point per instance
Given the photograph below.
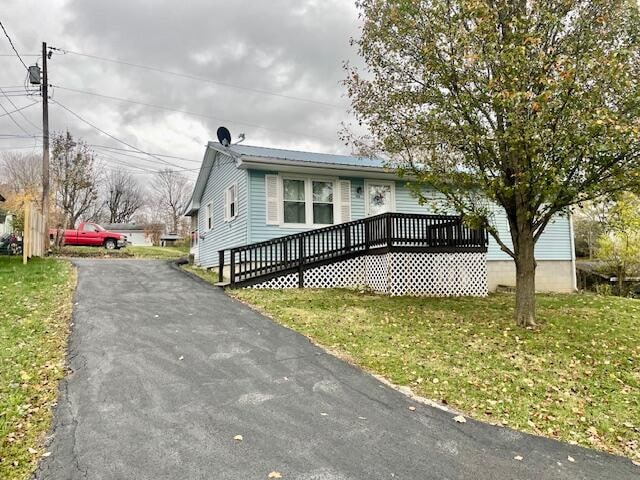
(551, 275)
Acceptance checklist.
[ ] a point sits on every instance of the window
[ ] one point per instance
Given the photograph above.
(230, 203)
(294, 201)
(307, 201)
(88, 227)
(209, 216)
(322, 203)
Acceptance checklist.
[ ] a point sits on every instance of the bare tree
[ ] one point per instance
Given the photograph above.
(124, 196)
(171, 192)
(21, 171)
(75, 177)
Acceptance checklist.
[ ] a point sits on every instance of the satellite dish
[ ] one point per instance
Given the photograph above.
(224, 137)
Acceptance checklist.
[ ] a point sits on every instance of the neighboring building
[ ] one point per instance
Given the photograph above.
(169, 239)
(136, 234)
(5, 219)
(246, 194)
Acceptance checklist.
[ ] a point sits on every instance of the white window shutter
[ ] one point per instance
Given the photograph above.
(272, 187)
(345, 201)
(226, 205)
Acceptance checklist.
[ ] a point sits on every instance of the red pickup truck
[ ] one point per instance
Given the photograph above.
(92, 235)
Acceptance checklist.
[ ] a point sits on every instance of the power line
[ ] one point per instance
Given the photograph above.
(140, 158)
(200, 79)
(186, 112)
(19, 110)
(123, 163)
(18, 147)
(108, 134)
(14, 135)
(11, 117)
(157, 154)
(13, 47)
(22, 54)
(145, 170)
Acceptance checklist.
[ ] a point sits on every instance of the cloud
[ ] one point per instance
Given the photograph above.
(292, 48)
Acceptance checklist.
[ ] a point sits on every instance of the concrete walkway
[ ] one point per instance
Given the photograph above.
(166, 370)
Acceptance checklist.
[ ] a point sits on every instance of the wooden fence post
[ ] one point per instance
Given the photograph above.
(25, 234)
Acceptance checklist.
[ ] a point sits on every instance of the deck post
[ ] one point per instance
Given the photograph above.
(367, 238)
(232, 267)
(220, 265)
(285, 254)
(389, 230)
(301, 262)
(347, 238)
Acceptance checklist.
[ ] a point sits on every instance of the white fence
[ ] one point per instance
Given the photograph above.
(33, 237)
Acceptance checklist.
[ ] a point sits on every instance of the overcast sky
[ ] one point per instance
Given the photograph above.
(292, 50)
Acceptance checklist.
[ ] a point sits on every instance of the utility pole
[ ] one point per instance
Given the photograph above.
(45, 145)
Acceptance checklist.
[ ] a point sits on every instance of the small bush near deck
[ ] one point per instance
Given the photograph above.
(576, 378)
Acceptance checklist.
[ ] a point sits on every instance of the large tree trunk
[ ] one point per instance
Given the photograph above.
(525, 314)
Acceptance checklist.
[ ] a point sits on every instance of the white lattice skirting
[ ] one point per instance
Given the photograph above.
(399, 273)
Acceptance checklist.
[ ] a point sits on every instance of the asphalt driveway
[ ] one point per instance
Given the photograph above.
(167, 370)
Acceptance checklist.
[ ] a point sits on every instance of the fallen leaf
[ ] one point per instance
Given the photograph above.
(412, 408)
(517, 457)
(46, 454)
(238, 438)
(181, 357)
(571, 459)
(32, 450)
(274, 474)
(460, 419)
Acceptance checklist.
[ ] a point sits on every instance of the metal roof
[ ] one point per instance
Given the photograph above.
(122, 226)
(171, 236)
(298, 156)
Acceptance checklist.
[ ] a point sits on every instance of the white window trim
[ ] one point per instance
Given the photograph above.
(209, 216)
(367, 207)
(308, 200)
(227, 206)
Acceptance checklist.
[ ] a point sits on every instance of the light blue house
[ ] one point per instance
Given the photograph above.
(246, 194)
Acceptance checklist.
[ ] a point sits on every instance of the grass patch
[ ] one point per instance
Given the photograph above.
(210, 276)
(35, 307)
(576, 379)
(158, 253)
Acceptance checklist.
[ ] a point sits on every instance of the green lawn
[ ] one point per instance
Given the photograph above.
(577, 378)
(158, 253)
(208, 275)
(35, 307)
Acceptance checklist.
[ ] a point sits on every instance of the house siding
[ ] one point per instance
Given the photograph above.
(554, 244)
(223, 235)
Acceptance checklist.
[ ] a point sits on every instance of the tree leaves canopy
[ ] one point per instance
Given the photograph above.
(532, 105)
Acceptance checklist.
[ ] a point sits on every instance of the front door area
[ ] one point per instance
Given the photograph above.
(379, 197)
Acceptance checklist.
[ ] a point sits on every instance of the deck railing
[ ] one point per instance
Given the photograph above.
(371, 235)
